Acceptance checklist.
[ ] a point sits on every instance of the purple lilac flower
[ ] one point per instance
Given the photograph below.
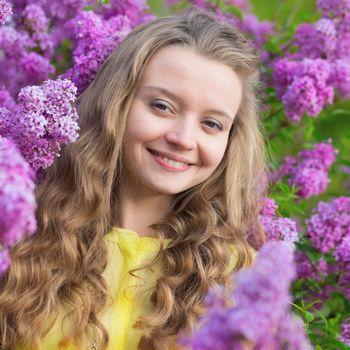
(269, 207)
(134, 10)
(277, 228)
(309, 170)
(17, 200)
(259, 30)
(45, 119)
(96, 39)
(14, 43)
(7, 101)
(345, 329)
(37, 24)
(21, 66)
(333, 8)
(5, 11)
(35, 67)
(340, 76)
(316, 40)
(344, 281)
(305, 268)
(55, 10)
(330, 225)
(303, 86)
(261, 315)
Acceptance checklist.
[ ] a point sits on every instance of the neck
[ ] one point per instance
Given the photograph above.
(138, 210)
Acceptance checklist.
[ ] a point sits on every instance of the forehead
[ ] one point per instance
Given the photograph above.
(193, 76)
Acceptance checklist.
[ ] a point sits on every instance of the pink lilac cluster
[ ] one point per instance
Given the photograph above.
(55, 10)
(17, 200)
(26, 51)
(261, 314)
(37, 24)
(325, 45)
(303, 86)
(277, 228)
(308, 172)
(307, 269)
(329, 231)
(95, 39)
(44, 120)
(137, 11)
(7, 101)
(5, 11)
(258, 30)
(329, 227)
(345, 330)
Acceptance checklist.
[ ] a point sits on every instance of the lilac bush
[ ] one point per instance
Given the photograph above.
(50, 52)
(5, 11)
(17, 201)
(44, 120)
(252, 320)
(308, 172)
(95, 39)
(277, 228)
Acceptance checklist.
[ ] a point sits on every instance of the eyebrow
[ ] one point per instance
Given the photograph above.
(176, 98)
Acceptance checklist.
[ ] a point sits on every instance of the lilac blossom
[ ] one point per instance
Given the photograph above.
(277, 228)
(45, 119)
(17, 200)
(137, 11)
(96, 39)
(329, 227)
(36, 23)
(280, 229)
(344, 281)
(308, 172)
(20, 65)
(259, 30)
(35, 67)
(55, 10)
(5, 11)
(345, 329)
(334, 8)
(261, 313)
(303, 86)
(340, 76)
(7, 101)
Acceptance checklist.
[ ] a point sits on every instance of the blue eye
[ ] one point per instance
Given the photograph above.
(213, 125)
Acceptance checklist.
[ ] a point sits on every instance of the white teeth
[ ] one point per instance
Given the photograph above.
(173, 162)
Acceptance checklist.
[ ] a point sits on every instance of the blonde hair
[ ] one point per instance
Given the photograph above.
(62, 264)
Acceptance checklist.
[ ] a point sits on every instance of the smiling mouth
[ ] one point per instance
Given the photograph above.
(171, 162)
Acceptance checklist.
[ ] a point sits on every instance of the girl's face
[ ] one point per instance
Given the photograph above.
(179, 121)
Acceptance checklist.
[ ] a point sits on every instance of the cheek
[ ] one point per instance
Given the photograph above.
(215, 152)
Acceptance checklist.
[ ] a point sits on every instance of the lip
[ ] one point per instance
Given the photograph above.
(171, 156)
(158, 157)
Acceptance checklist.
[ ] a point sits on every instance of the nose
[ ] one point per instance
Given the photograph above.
(182, 135)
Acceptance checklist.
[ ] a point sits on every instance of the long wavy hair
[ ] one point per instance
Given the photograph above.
(62, 264)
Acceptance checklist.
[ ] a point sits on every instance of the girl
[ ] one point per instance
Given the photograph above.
(152, 205)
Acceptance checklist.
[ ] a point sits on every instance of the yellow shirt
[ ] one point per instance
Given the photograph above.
(126, 251)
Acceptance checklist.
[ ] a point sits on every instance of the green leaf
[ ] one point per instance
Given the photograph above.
(340, 111)
(309, 316)
(318, 347)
